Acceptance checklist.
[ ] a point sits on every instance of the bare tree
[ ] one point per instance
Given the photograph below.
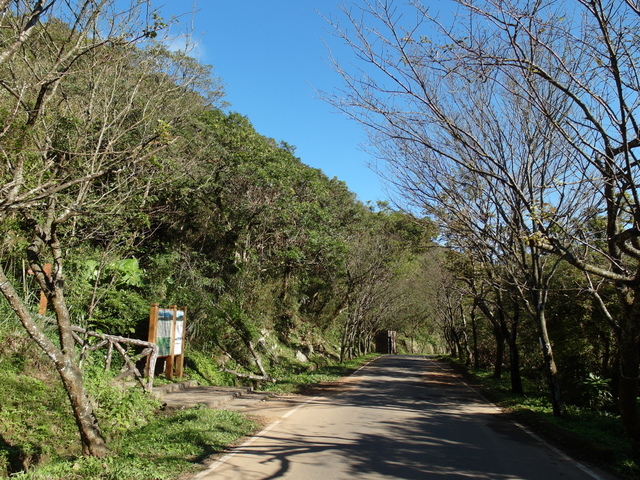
(20, 21)
(475, 155)
(575, 67)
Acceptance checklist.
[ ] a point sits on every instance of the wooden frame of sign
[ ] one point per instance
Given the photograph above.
(166, 329)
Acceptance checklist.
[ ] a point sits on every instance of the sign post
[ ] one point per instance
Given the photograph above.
(166, 329)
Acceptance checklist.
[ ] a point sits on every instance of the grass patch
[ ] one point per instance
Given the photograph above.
(39, 437)
(32, 414)
(162, 449)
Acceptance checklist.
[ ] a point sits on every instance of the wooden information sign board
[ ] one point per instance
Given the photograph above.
(166, 329)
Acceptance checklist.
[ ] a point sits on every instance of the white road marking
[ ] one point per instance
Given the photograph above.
(561, 454)
(249, 441)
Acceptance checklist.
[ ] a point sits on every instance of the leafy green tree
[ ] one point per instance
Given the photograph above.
(261, 237)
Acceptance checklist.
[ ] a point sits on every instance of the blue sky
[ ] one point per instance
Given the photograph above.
(271, 56)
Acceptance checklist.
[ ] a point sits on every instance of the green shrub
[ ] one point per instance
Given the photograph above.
(598, 393)
(118, 408)
(203, 368)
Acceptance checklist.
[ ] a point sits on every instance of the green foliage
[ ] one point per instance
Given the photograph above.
(118, 408)
(262, 239)
(584, 345)
(205, 370)
(598, 393)
(120, 312)
(106, 291)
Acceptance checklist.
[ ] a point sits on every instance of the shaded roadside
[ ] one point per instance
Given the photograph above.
(577, 446)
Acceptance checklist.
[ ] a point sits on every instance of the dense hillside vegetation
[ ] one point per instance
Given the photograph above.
(124, 172)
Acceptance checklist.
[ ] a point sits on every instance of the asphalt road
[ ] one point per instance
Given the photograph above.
(402, 417)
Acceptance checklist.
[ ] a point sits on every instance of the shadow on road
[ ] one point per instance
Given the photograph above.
(412, 419)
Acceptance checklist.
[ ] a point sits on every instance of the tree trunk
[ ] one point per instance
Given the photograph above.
(256, 358)
(93, 442)
(516, 377)
(626, 372)
(497, 368)
(344, 341)
(474, 333)
(465, 341)
(514, 357)
(456, 347)
(629, 359)
(628, 394)
(551, 370)
(511, 336)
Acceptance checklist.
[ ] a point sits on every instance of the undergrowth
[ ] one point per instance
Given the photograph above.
(39, 438)
(162, 449)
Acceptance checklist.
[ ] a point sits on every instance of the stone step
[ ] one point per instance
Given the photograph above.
(162, 390)
(210, 396)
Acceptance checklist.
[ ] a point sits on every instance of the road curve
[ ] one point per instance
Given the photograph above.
(404, 417)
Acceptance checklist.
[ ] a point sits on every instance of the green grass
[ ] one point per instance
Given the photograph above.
(162, 449)
(39, 439)
(298, 380)
(33, 412)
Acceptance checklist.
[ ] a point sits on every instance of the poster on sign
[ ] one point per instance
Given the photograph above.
(166, 330)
